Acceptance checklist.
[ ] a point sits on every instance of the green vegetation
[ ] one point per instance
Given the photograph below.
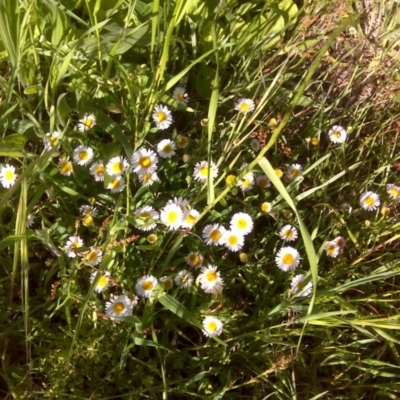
(120, 284)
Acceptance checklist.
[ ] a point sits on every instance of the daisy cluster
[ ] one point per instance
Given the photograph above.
(178, 215)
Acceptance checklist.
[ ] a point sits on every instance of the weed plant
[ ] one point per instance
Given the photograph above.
(199, 199)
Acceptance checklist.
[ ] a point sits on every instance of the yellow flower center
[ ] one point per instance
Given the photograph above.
(190, 219)
(212, 326)
(83, 155)
(9, 175)
(394, 192)
(242, 223)
(288, 233)
(246, 183)
(66, 167)
(53, 140)
(204, 171)
(145, 215)
(118, 307)
(172, 216)
(181, 96)
(331, 249)
(211, 276)
(167, 148)
(92, 256)
(182, 141)
(102, 281)
(314, 141)
(232, 240)
(88, 122)
(288, 259)
(336, 134)
(161, 116)
(147, 285)
(145, 162)
(265, 207)
(369, 201)
(215, 235)
(300, 285)
(244, 107)
(118, 167)
(115, 184)
(278, 172)
(295, 172)
(147, 177)
(100, 170)
(194, 259)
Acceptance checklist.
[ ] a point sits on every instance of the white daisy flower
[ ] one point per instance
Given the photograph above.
(340, 241)
(201, 171)
(337, 134)
(166, 148)
(7, 176)
(263, 181)
(144, 161)
(148, 217)
(97, 171)
(172, 216)
(93, 257)
(287, 258)
(83, 155)
(190, 219)
(393, 191)
(117, 166)
(212, 326)
(65, 167)
(181, 202)
(299, 287)
(369, 201)
(241, 223)
(244, 105)
(87, 122)
(119, 307)
(194, 259)
(266, 207)
(145, 285)
(210, 280)
(148, 178)
(51, 140)
(103, 283)
(288, 233)
(332, 249)
(117, 184)
(72, 246)
(213, 234)
(167, 282)
(30, 220)
(255, 144)
(180, 95)
(233, 240)
(247, 182)
(88, 211)
(162, 117)
(184, 279)
(294, 171)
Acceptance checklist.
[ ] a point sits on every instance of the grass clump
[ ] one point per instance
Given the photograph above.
(199, 199)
